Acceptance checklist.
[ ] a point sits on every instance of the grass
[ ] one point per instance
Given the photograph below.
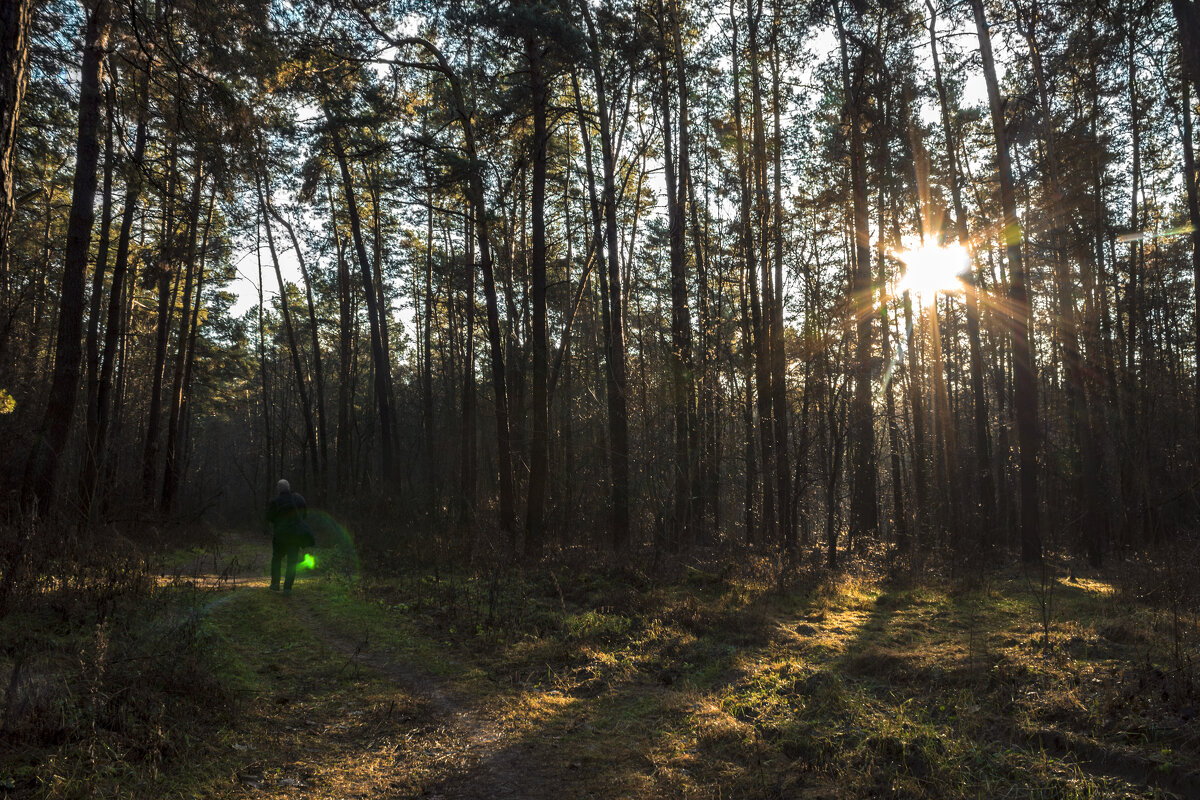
(597, 683)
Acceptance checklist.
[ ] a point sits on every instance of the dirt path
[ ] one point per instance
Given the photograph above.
(494, 763)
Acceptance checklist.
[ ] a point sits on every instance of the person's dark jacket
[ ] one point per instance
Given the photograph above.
(286, 512)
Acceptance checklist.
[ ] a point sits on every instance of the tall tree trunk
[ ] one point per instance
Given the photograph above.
(164, 271)
(764, 312)
(535, 513)
(1193, 205)
(383, 304)
(98, 432)
(983, 455)
(704, 469)
(469, 471)
(1025, 388)
(92, 352)
(864, 509)
(426, 345)
(263, 374)
(748, 278)
(618, 415)
(171, 466)
(15, 18)
(1187, 19)
(315, 342)
(378, 355)
(900, 514)
(185, 393)
(680, 351)
(51, 437)
(783, 468)
(345, 350)
(310, 435)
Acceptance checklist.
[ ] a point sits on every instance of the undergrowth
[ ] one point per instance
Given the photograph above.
(112, 675)
(693, 678)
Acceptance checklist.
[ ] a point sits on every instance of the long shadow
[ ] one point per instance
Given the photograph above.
(597, 739)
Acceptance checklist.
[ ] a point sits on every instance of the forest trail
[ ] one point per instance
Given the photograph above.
(372, 689)
(339, 710)
(492, 764)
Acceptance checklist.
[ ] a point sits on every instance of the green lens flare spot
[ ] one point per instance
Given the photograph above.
(309, 562)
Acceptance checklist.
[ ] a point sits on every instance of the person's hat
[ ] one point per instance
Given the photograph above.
(283, 486)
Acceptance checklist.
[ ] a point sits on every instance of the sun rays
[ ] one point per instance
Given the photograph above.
(931, 268)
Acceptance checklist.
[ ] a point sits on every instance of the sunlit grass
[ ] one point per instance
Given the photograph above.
(726, 684)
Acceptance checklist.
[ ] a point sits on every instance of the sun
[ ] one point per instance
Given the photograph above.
(930, 269)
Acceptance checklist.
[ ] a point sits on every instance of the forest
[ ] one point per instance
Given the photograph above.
(691, 398)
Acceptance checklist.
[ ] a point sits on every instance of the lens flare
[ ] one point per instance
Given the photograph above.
(339, 554)
(931, 269)
(308, 563)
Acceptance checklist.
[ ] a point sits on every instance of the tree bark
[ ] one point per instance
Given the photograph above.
(748, 288)
(15, 18)
(1025, 389)
(864, 510)
(763, 311)
(345, 352)
(163, 273)
(680, 351)
(315, 343)
(98, 433)
(783, 470)
(1193, 206)
(92, 352)
(618, 415)
(170, 469)
(51, 437)
(539, 453)
(378, 355)
(983, 455)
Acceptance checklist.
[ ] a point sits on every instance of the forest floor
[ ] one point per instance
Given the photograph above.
(584, 683)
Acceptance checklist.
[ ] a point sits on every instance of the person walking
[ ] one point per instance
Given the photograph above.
(286, 513)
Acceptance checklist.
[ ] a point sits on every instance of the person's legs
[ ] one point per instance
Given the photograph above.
(293, 556)
(278, 551)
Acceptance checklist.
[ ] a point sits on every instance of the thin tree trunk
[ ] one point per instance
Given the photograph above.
(764, 312)
(171, 467)
(310, 436)
(468, 401)
(680, 351)
(864, 510)
(783, 468)
(378, 355)
(163, 274)
(190, 358)
(983, 456)
(1025, 389)
(98, 433)
(617, 409)
(702, 485)
(538, 466)
(750, 328)
(318, 370)
(426, 344)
